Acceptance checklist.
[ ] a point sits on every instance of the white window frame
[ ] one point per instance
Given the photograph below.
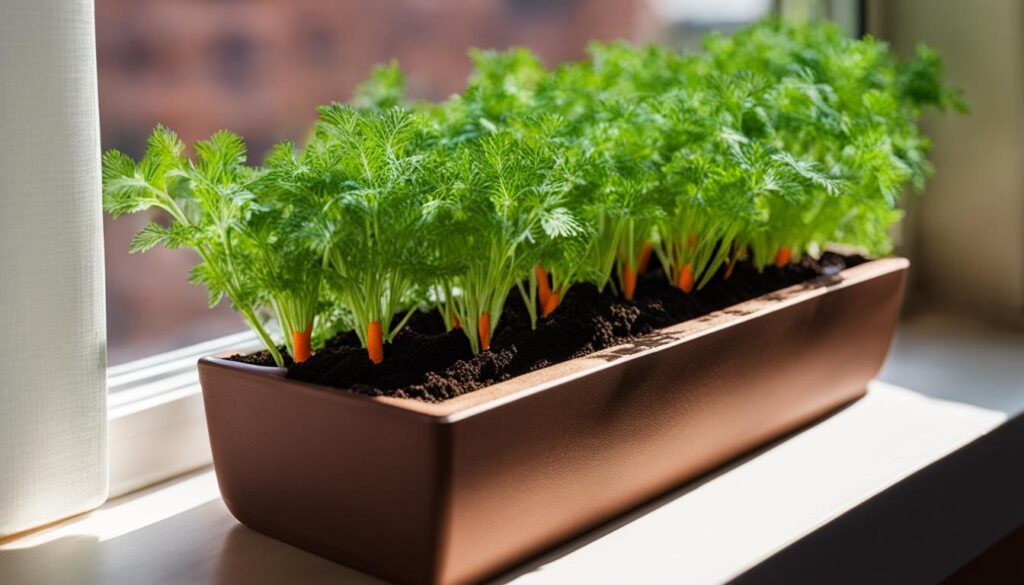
(155, 419)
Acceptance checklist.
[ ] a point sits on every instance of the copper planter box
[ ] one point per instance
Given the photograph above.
(463, 490)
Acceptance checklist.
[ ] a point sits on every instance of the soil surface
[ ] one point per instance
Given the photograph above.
(426, 363)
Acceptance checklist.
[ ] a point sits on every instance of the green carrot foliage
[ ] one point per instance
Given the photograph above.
(771, 144)
(209, 201)
(500, 200)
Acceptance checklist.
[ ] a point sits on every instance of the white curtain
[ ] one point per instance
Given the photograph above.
(52, 336)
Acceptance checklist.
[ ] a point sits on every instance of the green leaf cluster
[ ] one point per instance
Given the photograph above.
(769, 144)
(212, 204)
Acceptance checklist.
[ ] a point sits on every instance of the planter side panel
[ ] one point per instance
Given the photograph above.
(541, 469)
(333, 473)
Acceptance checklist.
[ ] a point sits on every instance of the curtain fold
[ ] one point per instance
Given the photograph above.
(53, 460)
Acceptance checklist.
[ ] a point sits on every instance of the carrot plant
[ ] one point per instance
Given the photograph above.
(613, 135)
(622, 191)
(208, 200)
(288, 272)
(769, 145)
(498, 199)
(844, 105)
(360, 175)
(705, 209)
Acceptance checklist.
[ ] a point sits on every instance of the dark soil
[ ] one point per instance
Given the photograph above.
(426, 363)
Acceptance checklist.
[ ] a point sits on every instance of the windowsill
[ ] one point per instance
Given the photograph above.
(156, 424)
(888, 475)
(711, 530)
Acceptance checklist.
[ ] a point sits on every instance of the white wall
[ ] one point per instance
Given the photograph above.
(966, 235)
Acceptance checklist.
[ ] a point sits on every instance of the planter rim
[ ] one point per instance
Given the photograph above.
(543, 379)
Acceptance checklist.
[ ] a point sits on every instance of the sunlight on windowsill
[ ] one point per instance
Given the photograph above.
(129, 513)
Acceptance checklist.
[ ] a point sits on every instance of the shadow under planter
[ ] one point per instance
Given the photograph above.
(462, 490)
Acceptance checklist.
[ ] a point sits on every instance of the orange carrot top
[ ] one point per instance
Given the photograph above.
(543, 287)
(552, 304)
(301, 343)
(484, 329)
(782, 257)
(645, 257)
(375, 342)
(628, 281)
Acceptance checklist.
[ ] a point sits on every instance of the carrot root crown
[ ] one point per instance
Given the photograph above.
(782, 256)
(301, 344)
(731, 265)
(685, 281)
(484, 329)
(736, 253)
(543, 287)
(552, 304)
(645, 257)
(729, 268)
(628, 281)
(375, 342)
(456, 324)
